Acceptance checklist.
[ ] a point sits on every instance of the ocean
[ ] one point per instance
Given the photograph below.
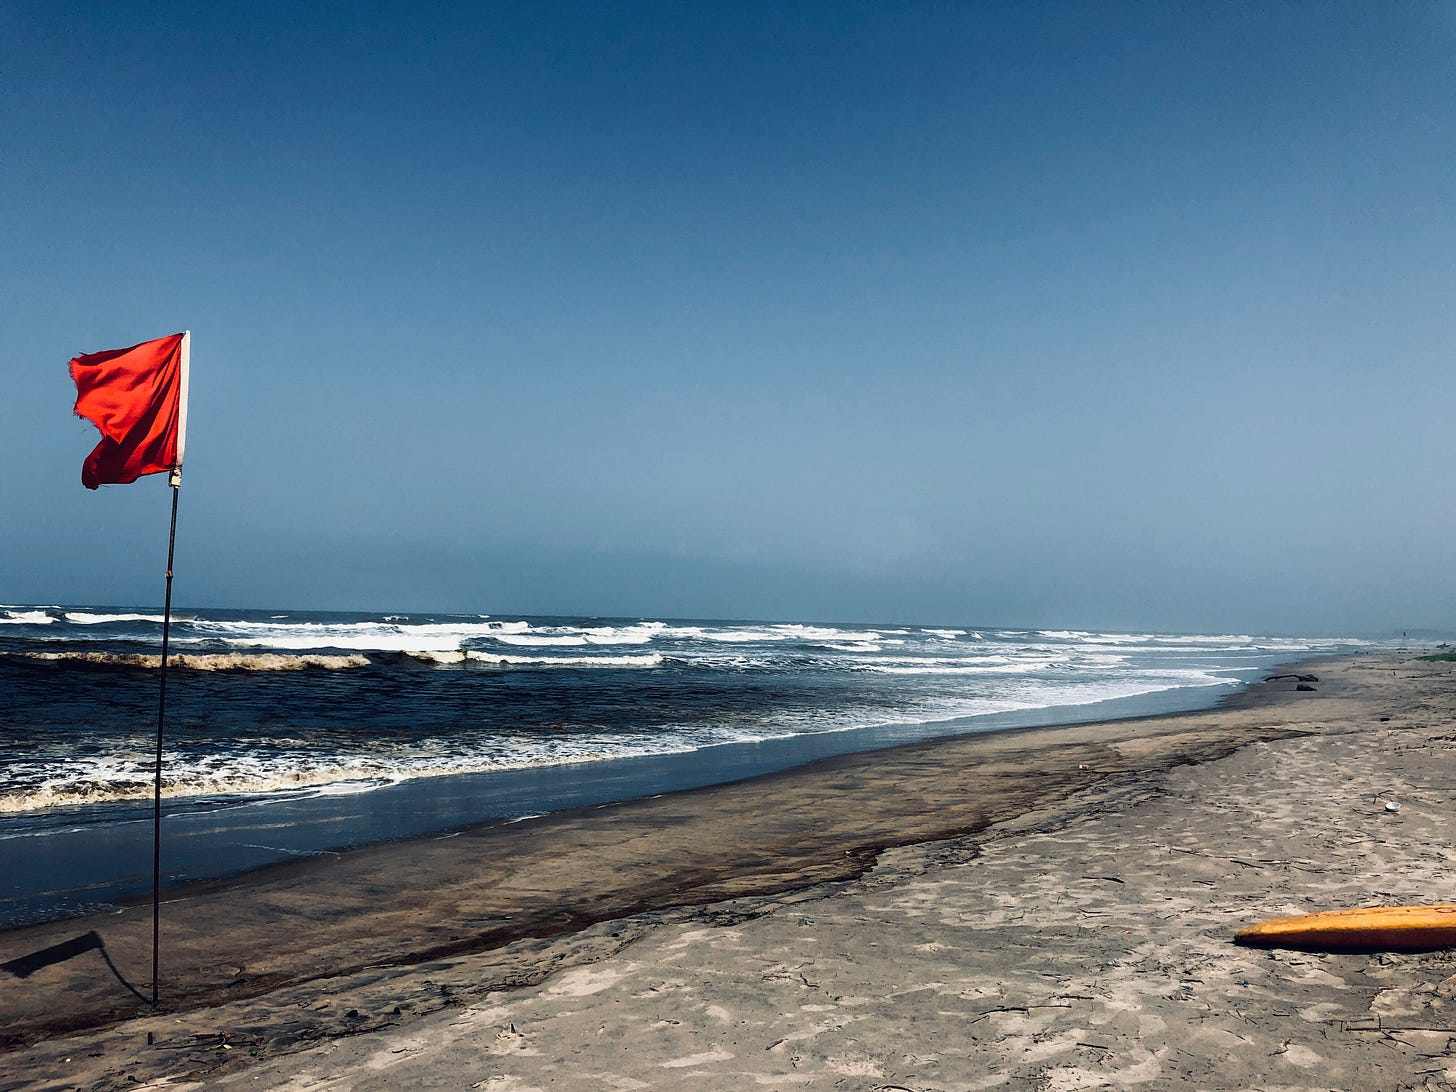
(290, 734)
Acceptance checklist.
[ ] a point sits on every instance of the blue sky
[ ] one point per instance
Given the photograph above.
(1088, 314)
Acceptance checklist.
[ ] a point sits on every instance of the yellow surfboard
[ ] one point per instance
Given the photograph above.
(1368, 929)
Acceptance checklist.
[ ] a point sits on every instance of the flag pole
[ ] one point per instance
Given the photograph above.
(176, 483)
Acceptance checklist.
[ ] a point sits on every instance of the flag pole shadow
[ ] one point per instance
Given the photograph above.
(27, 965)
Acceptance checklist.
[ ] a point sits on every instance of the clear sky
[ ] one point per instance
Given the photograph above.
(1050, 314)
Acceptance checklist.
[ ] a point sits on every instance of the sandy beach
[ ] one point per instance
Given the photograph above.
(1048, 908)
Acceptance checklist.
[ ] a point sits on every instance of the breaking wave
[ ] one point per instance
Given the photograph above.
(220, 661)
(25, 618)
(276, 661)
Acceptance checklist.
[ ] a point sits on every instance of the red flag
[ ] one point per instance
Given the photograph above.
(137, 397)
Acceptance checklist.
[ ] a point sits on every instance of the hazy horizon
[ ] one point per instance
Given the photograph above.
(183, 610)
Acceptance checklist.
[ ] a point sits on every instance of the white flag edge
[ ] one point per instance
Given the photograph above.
(182, 397)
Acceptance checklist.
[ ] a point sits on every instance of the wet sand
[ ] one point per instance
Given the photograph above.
(1046, 908)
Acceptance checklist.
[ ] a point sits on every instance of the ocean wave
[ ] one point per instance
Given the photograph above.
(279, 768)
(85, 618)
(289, 773)
(1172, 642)
(360, 636)
(115, 781)
(216, 661)
(1030, 660)
(523, 634)
(721, 661)
(771, 634)
(440, 658)
(26, 617)
(540, 640)
(278, 661)
(949, 667)
(650, 659)
(637, 634)
(458, 657)
(1148, 682)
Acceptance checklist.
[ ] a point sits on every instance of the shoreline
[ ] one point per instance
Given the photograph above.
(1010, 724)
(219, 842)
(511, 903)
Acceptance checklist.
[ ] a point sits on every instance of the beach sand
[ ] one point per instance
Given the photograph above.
(1048, 908)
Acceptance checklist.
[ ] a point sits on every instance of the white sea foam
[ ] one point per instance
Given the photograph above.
(361, 636)
(444, 659)
(728, 636)
(114, 778)
(273, 661)
(84, 618)
(540, 640)
(353, 788)
(1085, 693)
(1225, 642)
(650, 659)
(956, 668)
(983, 660)
(771, 634)
(457, 657)
(638, 634)
(218, 661)
(722, 661)
(26, 618)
